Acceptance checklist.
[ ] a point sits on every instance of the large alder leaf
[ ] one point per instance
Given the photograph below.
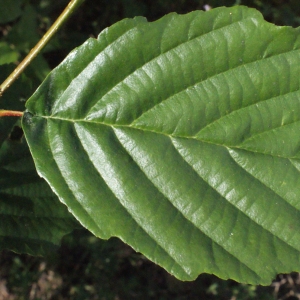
(32, 219)
(181, 137)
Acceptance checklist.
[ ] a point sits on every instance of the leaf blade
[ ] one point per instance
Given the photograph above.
(161, 129)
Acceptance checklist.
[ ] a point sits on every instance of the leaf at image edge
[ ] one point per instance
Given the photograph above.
(33, 221)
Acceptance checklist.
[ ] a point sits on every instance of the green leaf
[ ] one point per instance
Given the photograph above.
(181, 137)
(10, 10)
(32, 219)
(24, 34)
(7, 54)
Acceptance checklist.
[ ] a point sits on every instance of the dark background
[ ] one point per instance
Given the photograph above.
(86, 267)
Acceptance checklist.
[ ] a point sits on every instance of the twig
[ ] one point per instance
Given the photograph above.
(10, 113)
(68, 11)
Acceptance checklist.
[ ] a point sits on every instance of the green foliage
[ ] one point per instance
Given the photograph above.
(10, 10)
(237, 146)
(180, 137)
(32, 219)
(19, 39)
(8, 55)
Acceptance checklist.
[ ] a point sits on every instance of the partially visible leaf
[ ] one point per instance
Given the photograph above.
(181, 137)
(7, 54)
(24, 34)
(9, 10)
(32, 219)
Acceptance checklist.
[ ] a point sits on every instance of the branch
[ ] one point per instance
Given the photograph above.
(10, 113)
(68, 11)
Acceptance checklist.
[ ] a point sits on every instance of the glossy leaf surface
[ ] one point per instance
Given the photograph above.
(181, 137)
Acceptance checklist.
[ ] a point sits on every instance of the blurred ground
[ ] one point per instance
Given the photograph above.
(88, 268)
